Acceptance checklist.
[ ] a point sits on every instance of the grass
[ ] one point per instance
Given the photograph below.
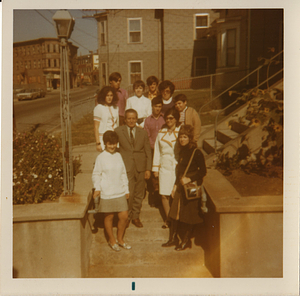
(83, 130)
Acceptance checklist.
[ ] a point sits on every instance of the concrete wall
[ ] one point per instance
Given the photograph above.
(244, 234)
(52, 240)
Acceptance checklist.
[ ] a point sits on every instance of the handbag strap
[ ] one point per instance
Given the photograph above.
(188, 166)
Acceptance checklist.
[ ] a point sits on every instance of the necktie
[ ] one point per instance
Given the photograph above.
(131, 136)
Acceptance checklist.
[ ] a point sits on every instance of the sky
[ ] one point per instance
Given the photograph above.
(33, 24)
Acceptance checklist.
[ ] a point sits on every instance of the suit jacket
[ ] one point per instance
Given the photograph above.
(140, 155)
(192, 118)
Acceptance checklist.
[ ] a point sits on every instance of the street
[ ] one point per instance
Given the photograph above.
(45, 111)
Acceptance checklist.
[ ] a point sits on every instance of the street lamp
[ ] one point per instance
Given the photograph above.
(64, 24)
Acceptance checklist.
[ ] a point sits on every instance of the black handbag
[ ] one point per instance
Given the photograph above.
(191, 190)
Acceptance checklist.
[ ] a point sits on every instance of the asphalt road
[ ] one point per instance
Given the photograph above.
(45, 111)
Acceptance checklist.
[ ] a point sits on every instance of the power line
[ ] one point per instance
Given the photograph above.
(53, 24)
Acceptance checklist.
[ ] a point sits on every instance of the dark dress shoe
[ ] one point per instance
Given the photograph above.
(137, 222)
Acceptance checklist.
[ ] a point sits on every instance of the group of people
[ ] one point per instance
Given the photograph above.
(148, 137)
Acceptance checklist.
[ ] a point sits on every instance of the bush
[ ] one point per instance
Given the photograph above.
(38, 167)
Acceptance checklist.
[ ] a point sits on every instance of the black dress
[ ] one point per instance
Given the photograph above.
(188, 211)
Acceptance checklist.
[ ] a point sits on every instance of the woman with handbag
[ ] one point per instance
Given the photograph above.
(186, 193)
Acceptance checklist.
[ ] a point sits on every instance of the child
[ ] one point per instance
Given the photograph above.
(115, 81)
(139, 103)
(153, 124)
(152, 83)
(188, 115)
(166, 89)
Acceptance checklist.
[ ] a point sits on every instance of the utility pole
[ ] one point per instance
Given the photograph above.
(159, 14)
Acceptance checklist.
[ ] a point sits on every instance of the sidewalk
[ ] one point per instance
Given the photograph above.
(146, 259)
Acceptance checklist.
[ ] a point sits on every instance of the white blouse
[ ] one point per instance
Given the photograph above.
(108, 116)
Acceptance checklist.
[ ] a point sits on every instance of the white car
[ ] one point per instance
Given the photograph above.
(28, 95)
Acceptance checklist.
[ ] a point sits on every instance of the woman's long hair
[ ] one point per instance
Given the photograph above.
(188, 130)
(103, 93)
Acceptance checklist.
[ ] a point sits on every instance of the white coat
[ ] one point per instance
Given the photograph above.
(164, 160)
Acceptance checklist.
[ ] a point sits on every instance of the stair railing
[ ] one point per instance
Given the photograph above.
(239, 98)
(228, 89)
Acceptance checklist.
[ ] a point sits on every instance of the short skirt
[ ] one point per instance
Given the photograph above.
(113, 205)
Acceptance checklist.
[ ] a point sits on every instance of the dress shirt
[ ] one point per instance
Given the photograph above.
(133, 131)
(182, 116)
(152, 127)
(123, 96)
(142, 105)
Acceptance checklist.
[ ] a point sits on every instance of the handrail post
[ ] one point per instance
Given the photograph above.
(211, 87)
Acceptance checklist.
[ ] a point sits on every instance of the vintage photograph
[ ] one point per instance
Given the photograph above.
(148, 144)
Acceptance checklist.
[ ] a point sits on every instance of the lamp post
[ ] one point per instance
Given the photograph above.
(64, 24)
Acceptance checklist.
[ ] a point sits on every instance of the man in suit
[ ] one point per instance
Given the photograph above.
(136, 153)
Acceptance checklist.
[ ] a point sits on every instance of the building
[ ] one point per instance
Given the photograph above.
(88, 69)
(130, 42)
(36, 63)
(245, 38)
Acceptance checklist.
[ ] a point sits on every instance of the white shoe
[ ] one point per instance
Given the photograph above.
(115, 247)
(125, 246)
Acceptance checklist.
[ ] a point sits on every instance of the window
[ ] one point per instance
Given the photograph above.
(135, 30)
(38, 49)
(39, 64)
(201, 21)
(228, 46)
(29, 64)
(33, 50)
(103, 74)
(231, 47)
(201, 66)
(21, 65)
(34, 64)
(57, 63)
(27, 51)
(103, 33)
(135, 71)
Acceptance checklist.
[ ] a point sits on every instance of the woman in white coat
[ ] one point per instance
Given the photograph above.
(164, 162)
(106, 114)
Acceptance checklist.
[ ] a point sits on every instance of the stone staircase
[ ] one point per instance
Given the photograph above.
(146, 259)
(229, 136)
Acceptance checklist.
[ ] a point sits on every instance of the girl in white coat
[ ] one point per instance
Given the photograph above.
(164, 162)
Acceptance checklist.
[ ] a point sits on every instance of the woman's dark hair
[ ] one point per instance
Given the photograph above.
(180, 97)
(139, 83)
(103, 93)
(115, 76)
(165, 84)
(110, 137)
(188, 130)
(152, 79)
(156, 100)
(172, 111)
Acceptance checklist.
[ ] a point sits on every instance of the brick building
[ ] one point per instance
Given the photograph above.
(36, 63)
(129, 42)
(88, 68)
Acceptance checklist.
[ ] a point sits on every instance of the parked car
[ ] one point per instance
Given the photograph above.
(30, 94)
(41, 92)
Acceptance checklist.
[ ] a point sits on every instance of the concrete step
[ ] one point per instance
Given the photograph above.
(147, 258)
(145, 254)
(209, 145)
(226, 135)
(167, 270)
(240, 127)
